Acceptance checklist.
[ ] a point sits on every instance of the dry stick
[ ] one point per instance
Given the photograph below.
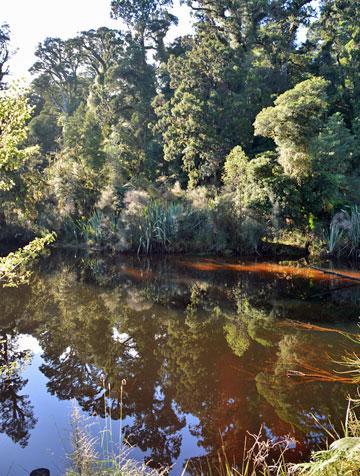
(341, 275)
(314, 327)
(333, 290)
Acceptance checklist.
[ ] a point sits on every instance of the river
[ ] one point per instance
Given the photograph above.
(211, 350)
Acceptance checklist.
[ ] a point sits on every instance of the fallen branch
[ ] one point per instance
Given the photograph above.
(336, 273)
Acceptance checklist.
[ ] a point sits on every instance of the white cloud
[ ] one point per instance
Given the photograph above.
(28, 342)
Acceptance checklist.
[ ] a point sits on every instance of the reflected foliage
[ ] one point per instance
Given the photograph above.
(217, 346)
(16, 412)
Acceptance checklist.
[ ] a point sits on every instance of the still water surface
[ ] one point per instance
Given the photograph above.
(210, 350)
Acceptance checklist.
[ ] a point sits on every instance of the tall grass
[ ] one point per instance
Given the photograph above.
(158, 230)
(114, 459)
(334, 239)
(147, 225)
(342, 457)
(354, 229)
(256, 459)
(95, 228)
(86, 461)
(344, 233)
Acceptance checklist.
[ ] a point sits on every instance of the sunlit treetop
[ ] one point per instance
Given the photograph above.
(138, 12)
(14, 112)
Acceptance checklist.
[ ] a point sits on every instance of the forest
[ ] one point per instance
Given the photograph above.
(241, 134)
(178, 182)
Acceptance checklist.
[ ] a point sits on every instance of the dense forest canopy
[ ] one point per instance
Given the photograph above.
(207, 143)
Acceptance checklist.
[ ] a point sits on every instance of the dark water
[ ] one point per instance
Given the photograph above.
(208, 349)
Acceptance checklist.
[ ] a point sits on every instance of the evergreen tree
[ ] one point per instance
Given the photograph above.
(297, 116)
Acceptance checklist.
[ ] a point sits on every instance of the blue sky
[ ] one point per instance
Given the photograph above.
(31, 21)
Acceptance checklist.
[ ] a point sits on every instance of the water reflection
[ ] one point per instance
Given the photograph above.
(215, 343)
(16, 412)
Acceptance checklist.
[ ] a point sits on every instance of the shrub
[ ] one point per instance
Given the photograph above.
(155, 226)
(74, 186)
(344, 233)
(149, 225)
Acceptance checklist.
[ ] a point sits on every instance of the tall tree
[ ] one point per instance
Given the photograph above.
(58, 63)
(15, 171)
(271, 24)
(335, 38)
(132, 144)
(4, 53)
(278, 38)
(148, 19)
(206, 82)
(101, 50)
(297, 117)
(14, 112)
(217, 90)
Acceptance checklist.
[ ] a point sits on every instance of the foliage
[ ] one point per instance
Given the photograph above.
(190, 121)
(335, 45)
(261, 184)
(44, 130)
(343, 454)
(344, 236)
(158, 224)
(333, 153)
(21, 180)
(150, 20)
(14, 112)
(267, 124)
(74, 187)
(4, 53)
(86, 462)
(14, 267)
(296, 117)
(58, 62)
(342, 457)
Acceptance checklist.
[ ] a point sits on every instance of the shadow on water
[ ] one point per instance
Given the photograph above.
(210, 350)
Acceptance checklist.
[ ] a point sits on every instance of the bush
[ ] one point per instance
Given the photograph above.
(75, 186)
(158, 226)
(149, 225)
(344, 233)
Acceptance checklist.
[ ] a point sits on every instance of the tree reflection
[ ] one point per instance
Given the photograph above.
(186, 344)
(16, 412)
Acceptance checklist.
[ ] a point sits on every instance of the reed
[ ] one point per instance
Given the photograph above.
(344, 234)
(256, 460)
(114, 458)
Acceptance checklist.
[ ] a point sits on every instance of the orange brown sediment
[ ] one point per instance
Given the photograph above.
(230, 366)
(270, 268)
(140, 274)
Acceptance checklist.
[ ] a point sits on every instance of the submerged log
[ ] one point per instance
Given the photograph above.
(337, 273)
